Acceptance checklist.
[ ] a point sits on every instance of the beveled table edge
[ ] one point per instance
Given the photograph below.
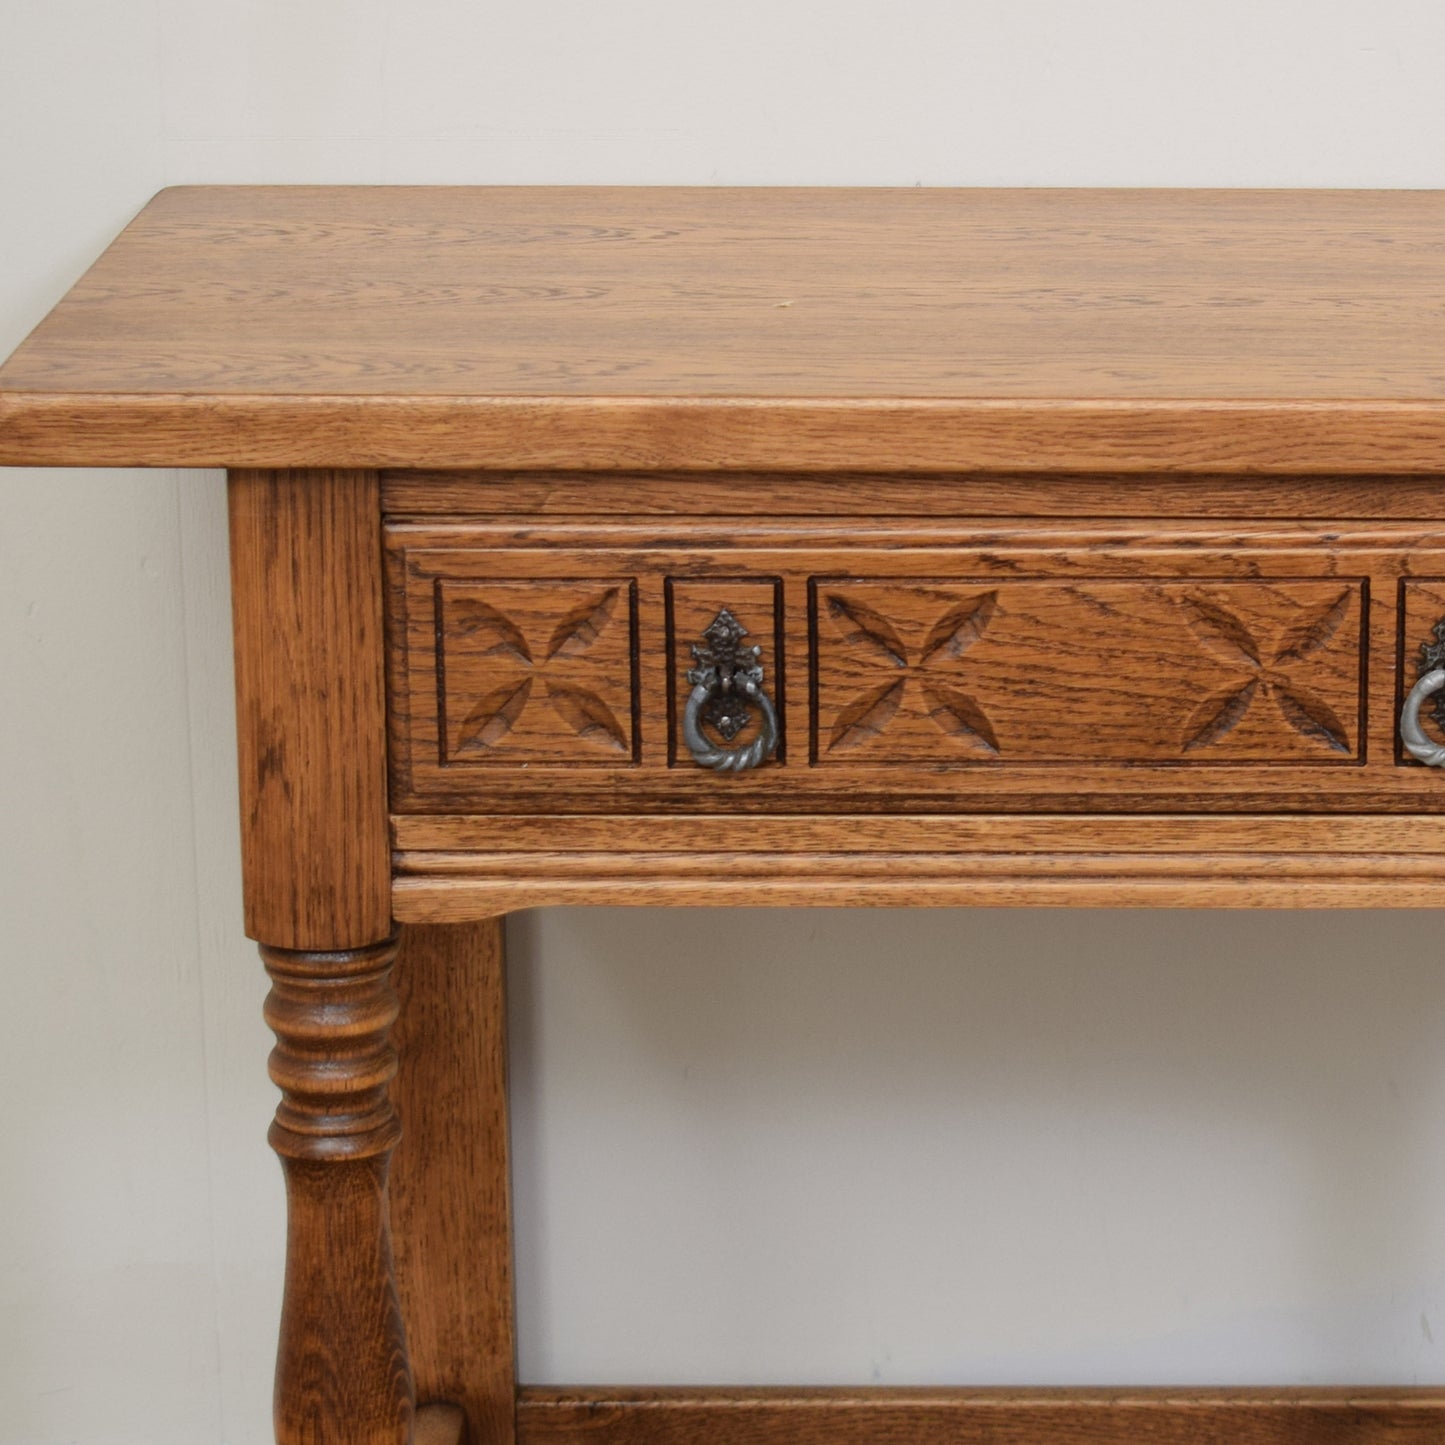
(712, 433)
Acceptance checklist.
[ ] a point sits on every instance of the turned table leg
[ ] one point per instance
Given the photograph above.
(315, 847)
(343, 1348)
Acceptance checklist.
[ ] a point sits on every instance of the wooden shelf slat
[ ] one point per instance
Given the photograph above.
(979, 1417)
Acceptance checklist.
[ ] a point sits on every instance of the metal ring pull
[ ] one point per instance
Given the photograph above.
(1411, 733)
(727, 684)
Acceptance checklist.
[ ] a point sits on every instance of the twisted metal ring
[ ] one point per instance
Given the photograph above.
(1411, 733)
(732, 760)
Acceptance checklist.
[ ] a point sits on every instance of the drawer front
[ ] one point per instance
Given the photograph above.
(1105, 668)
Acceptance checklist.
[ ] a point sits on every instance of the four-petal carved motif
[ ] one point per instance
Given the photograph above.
(1265, 672)
(927, 664)
(569, 672)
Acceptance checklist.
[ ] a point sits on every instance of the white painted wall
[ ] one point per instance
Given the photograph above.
(761, 1146)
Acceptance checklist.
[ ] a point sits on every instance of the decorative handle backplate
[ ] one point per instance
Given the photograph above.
(727, 684)
(1432, 682)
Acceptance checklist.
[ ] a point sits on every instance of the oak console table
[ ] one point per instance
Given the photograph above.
(786, 547)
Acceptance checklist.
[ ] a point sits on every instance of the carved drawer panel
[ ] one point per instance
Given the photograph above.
(1086, 670)
(538, 672)
(910, 666)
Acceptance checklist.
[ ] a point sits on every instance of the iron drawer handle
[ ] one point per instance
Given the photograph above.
(727, 684)
(1411, 733)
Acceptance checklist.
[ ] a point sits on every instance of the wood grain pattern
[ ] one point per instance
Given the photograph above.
(450, 1182)
(1264, 835)
(450, 868)
(943, 663)
(560, 494)
(310, 706)
(537, 672)
(953, 881)
(651, 328)
(440, 1425)
(1085, 671)
(980, 1417)
(341, 1368)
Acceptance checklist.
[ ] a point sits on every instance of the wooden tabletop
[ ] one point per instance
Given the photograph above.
(663, 328)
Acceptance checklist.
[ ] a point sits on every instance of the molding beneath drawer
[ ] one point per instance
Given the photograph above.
(451, 870)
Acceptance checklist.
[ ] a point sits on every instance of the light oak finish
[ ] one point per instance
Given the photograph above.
(311, 717)
(1160, 835)
(937, 671)
(1090, 540)
(440, 1425)
(980, 1417)
(450, 1181)
(463, 889)
(450, 868)
(525, 496)
(537, 672)
(600, 328)
(917, 664)
(342, 1364)
(310, 707)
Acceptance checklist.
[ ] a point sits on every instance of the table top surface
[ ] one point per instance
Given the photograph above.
(558, 326)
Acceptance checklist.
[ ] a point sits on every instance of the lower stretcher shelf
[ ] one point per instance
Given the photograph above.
(979, 1417)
